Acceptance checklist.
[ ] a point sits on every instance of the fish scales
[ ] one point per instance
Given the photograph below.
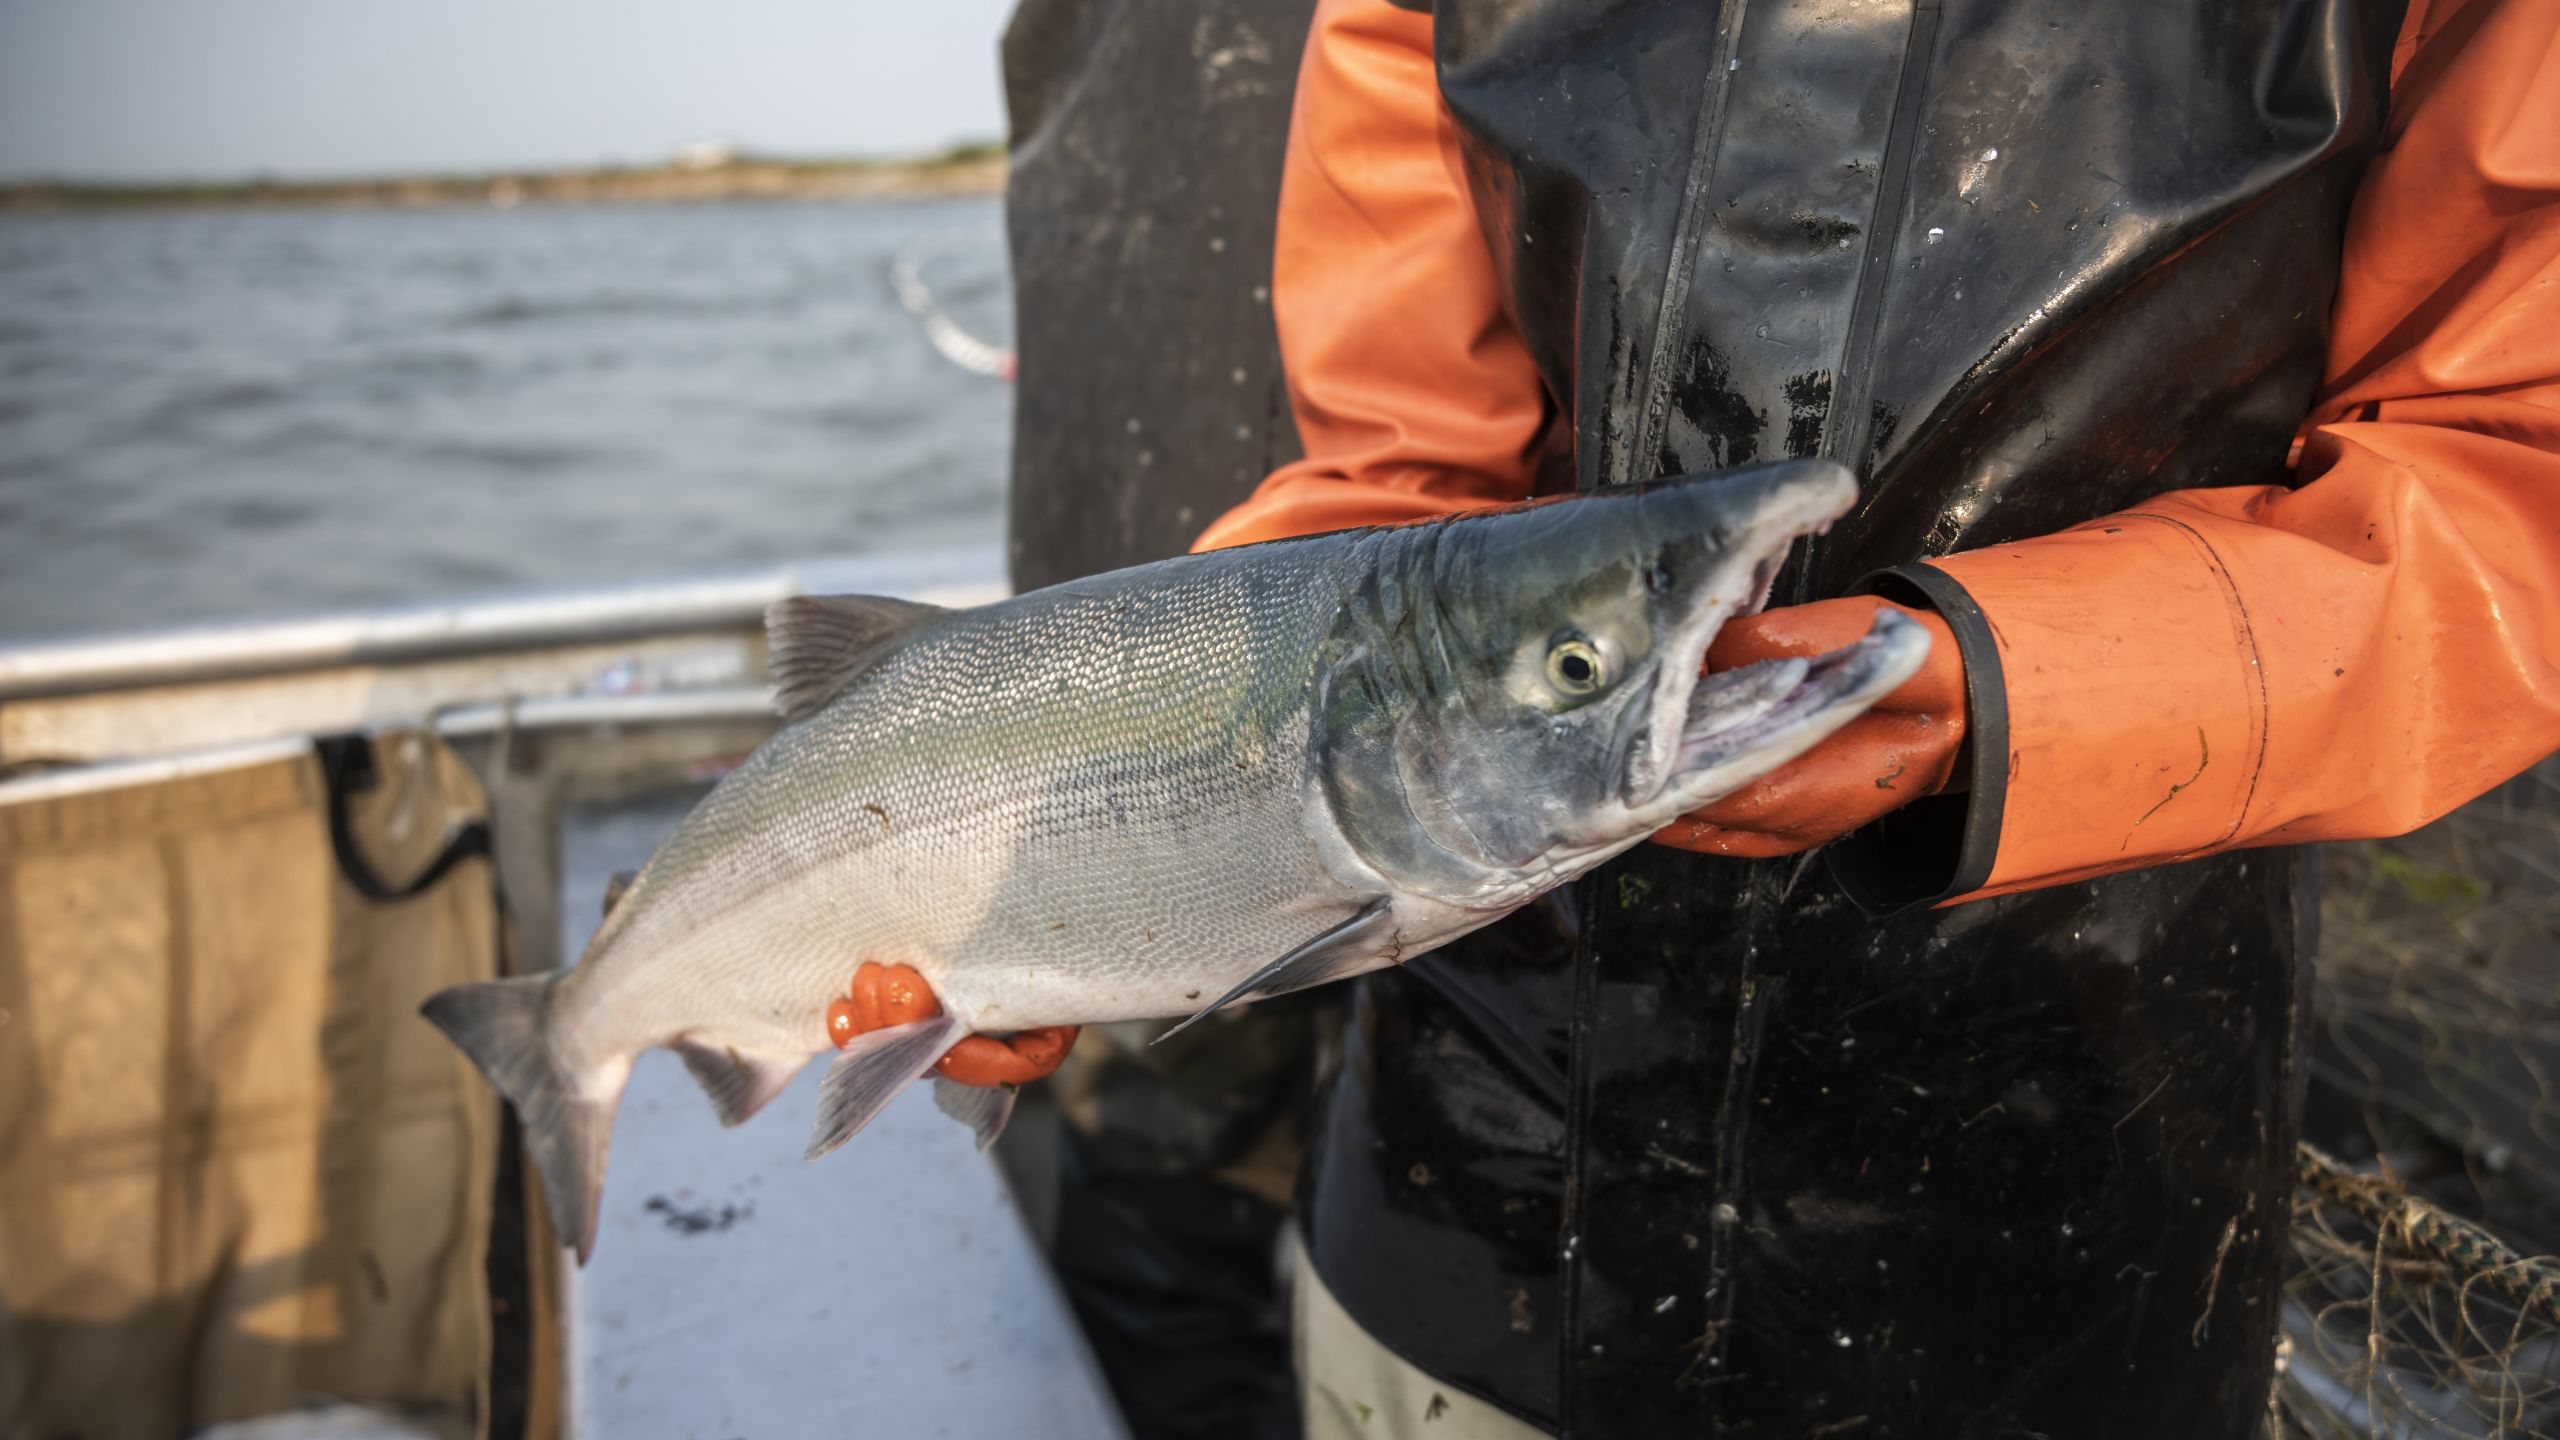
(1160, 791)
(1031, 785)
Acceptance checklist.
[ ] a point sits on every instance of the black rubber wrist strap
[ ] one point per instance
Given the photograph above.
(1940, 846)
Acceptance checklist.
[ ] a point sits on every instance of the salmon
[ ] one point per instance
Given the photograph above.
(1173, 788)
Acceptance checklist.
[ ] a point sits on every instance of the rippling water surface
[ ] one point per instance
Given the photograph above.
(218, 415)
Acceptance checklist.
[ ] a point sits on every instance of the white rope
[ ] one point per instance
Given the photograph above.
(947, 336)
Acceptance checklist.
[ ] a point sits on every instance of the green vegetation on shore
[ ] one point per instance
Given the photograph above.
(703, 174)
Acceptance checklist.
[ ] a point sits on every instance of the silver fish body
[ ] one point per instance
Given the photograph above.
(1082, 804)
(1151, 792)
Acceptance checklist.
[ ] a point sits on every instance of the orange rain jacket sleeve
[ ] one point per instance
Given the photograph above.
(1413, 394)
(2213, 669)
(2358, 655)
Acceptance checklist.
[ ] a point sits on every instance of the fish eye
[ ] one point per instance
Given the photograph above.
(1575, 667)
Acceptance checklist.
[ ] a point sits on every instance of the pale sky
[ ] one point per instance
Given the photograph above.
(220, 89)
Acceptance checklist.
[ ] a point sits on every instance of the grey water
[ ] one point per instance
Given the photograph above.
(228, 414)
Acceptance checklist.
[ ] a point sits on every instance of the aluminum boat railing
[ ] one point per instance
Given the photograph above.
(596, 698)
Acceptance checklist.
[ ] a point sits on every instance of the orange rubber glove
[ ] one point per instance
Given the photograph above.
(1903, 748)
(885, 995)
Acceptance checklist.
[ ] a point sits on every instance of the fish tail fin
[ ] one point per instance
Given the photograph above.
(874, 1067)
(501, 1025)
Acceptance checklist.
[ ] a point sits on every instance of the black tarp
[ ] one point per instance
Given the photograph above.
(1146, 148)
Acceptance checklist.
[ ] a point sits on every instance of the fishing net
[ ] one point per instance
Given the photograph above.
(2420, 1298)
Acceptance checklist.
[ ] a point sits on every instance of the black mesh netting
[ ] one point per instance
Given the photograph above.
(2420, 1299)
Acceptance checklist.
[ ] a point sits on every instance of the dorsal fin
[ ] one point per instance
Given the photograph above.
(618, 886)
(815, 643)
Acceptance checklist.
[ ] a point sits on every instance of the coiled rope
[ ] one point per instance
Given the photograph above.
(2532, 1282)
(949, 338)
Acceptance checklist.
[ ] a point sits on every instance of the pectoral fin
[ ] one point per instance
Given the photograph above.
(874, 1067)
(983, 1108)
(1339, 953)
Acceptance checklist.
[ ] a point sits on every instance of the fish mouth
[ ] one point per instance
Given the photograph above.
(1744, 722)
(1764, 575)
(1654, 760)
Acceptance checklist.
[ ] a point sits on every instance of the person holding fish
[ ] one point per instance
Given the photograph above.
(2037, 457)
(2201, 365)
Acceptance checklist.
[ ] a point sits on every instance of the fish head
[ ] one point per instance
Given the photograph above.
(1525, 698)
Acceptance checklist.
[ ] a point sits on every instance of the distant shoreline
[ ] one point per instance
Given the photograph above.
(965, 170)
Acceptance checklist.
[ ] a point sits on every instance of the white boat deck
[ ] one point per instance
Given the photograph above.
(888, 1290)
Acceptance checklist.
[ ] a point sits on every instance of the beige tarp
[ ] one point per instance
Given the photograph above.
(237, 1173)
